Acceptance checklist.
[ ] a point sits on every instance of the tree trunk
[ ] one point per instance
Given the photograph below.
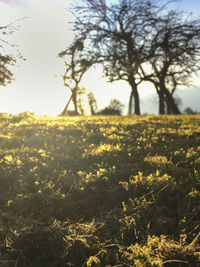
(168, 98)
(74, 100)
(136, 102)
(161, 98)
(65, 110)
(130, 103)
(135, 95)
(171, 105)
(161, 102)
(168, 106)
(92, 110)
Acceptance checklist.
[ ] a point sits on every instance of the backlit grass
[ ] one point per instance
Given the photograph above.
(99, 191)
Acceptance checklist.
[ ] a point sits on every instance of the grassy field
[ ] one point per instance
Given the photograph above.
(99, 191)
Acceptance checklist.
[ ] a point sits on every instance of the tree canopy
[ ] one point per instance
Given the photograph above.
(127, 36)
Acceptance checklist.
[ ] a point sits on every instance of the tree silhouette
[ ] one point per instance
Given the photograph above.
(119, 35)
(127, 35)
(6, 59)
(175, 53)
(114, 108)
(76, 65)
(9, 52)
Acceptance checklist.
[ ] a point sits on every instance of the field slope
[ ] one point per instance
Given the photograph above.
(99, 191)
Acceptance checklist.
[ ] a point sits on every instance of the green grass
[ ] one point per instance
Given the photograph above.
(99, 191)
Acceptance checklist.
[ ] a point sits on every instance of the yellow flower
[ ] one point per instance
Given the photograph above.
(8, 158)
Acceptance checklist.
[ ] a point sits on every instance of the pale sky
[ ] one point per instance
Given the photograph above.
(44, 32)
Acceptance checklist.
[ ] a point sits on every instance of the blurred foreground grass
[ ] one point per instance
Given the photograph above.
(99, 191)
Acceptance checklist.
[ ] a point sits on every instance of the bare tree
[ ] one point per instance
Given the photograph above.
(127, 36)
(76, 66)
(175, 50)
(118, 34)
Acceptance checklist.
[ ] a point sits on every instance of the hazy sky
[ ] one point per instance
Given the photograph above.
(43, 34)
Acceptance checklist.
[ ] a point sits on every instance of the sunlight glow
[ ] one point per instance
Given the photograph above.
(41, 37)
(38, 87)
